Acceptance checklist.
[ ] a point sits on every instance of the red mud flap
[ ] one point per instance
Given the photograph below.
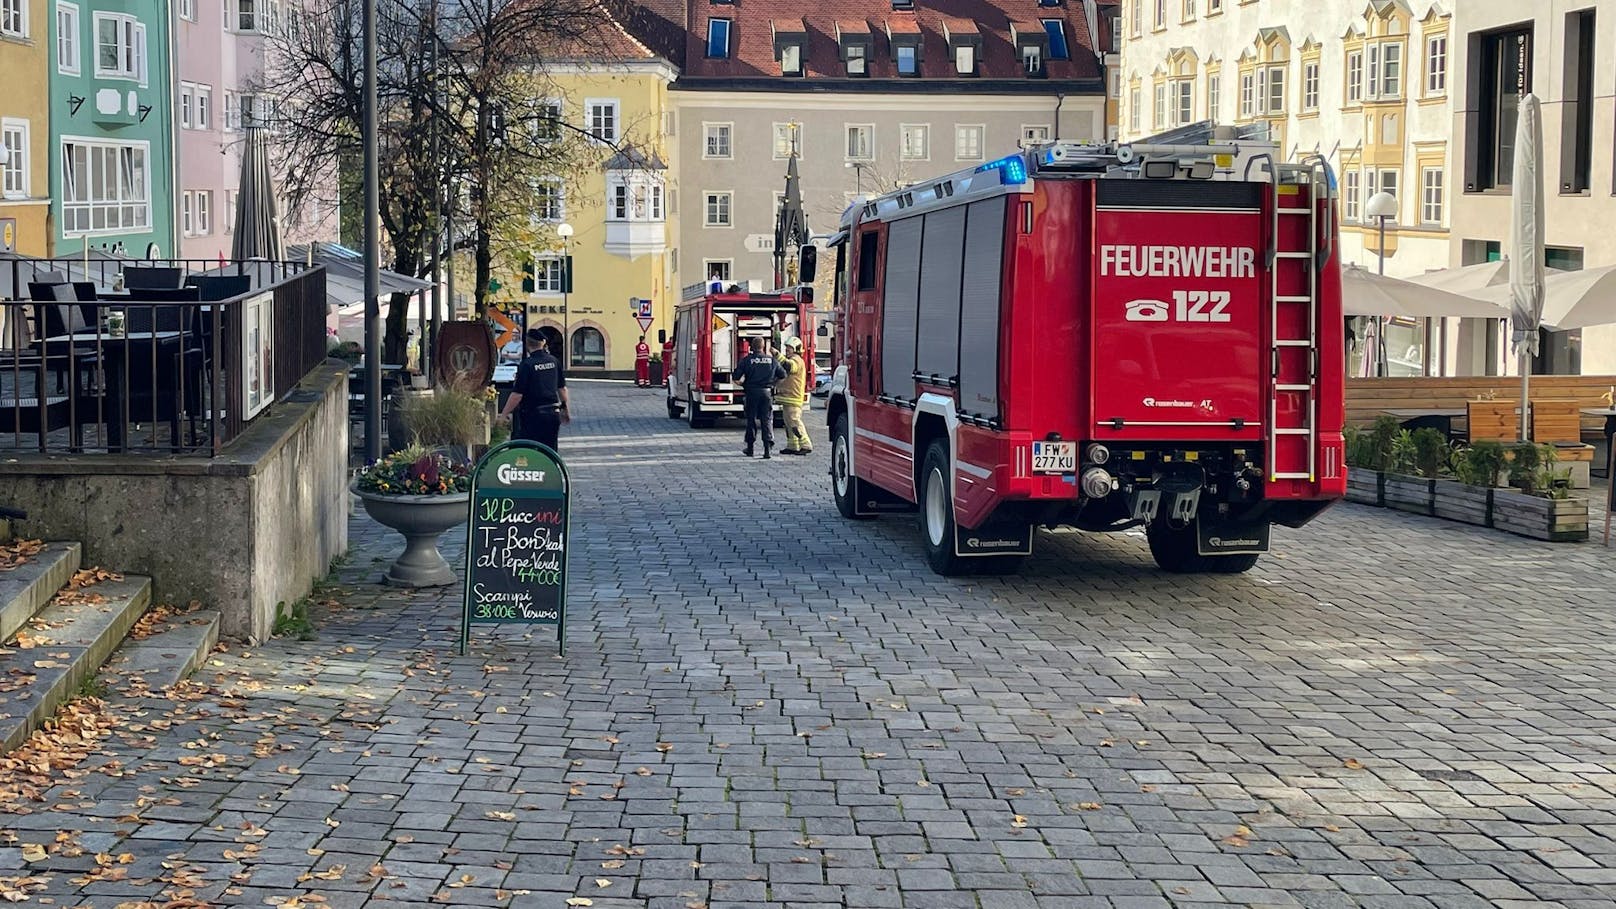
(1232, 538)
(993, 541)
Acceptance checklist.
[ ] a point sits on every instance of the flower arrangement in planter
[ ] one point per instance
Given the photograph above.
(419, 493)
(1420, 472)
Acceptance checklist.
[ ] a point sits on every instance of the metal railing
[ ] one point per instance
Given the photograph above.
(85, 367)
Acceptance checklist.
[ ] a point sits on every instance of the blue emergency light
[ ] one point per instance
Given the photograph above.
(1012, 169)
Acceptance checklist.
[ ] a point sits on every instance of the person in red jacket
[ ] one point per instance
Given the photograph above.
(642, 363)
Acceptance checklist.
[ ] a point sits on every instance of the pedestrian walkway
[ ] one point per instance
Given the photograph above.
(763, 705)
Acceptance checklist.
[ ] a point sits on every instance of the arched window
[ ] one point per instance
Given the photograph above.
(588, 348)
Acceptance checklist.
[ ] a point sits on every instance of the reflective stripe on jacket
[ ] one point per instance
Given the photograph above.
(793, 389)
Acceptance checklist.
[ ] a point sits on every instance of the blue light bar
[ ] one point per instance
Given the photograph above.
(1012, 170)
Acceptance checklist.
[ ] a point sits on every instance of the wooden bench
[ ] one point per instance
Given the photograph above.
(1369, 398)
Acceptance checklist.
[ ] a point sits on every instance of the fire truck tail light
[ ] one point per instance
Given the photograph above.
(1012, 170)
(1097, 484)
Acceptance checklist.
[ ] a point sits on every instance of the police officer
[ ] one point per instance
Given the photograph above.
(539, 396)
(757, 372)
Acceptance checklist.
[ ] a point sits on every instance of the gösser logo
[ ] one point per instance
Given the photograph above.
(1187, 306)
(510, 474)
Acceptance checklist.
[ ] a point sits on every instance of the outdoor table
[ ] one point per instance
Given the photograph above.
(1439, 418)
(117, 350)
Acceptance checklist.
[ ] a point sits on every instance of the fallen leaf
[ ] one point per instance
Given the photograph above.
(1018, 821)
(602, 883)
(500, 815)
(33, 852)
(580, 901)
(1352, 764)
(613, 865)
(664, 747)
(1089, 806)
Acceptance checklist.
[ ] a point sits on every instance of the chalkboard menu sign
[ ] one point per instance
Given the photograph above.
(516, 556)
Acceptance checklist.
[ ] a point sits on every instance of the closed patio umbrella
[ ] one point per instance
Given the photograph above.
(258, 230)
(1526, 246)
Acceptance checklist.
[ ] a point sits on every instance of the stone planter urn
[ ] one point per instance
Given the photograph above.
(421, 520)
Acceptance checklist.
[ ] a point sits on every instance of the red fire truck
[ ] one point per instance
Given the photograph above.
(712, 326)
(1102, 337)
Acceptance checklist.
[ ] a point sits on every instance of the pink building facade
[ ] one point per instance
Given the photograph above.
(219, 63)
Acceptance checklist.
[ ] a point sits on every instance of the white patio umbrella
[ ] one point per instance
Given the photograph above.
(1579, 299)
(1526, 245)
(1466, 279)
(1364, 293)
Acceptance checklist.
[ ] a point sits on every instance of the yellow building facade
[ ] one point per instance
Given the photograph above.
(25, 61)
(618, 208)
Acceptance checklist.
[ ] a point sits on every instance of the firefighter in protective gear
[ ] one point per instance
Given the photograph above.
(792, 393)
(757, 373)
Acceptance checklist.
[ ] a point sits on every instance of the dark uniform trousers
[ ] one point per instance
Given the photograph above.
(759, 410)
(542, 425)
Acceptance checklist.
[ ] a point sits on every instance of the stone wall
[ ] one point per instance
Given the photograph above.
(243, 532)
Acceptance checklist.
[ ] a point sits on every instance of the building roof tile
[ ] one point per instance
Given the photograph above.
(754, 24)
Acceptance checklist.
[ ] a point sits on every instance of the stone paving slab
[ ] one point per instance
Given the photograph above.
(765, 706)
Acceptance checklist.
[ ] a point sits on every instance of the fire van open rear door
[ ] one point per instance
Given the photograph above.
(1178, 339)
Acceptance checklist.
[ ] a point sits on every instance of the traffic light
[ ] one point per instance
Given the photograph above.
(528, 284)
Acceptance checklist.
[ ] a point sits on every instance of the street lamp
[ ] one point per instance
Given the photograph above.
(1380, 207)
(858, 176)
(564, 231)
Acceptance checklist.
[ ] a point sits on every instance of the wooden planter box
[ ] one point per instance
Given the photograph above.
(1555, 520)
(1455, 501)
(1363, 486)
(1496, 421)
(1405, 493)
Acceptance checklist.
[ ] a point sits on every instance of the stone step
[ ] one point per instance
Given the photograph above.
(26, 589)
(68, 640)
(176, 647)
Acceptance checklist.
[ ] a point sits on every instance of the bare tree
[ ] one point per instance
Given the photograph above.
(456, 87)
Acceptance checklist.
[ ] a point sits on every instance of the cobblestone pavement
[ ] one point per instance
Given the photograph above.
(764, 705)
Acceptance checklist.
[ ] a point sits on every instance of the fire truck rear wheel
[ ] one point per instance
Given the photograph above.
(1175, 550)
(843, 485)
(937, 512)
(674, 410)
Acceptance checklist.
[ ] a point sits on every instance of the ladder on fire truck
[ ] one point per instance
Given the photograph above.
(1300, 251)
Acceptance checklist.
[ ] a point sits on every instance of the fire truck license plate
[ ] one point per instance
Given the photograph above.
(1054, 457)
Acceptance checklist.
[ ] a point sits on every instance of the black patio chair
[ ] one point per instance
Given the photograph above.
(145, 277)
(220, 287)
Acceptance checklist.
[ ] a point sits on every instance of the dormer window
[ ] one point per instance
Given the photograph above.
(855, 42)
(858, 59)
(718, 38)
(904, 35)
(965, 59)
(903, 4)
(964, 45)
(790, 40)
(1031, 41)
(907, 56)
